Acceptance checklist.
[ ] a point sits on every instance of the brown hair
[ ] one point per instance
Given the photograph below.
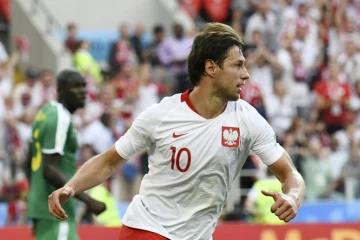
(213, 43)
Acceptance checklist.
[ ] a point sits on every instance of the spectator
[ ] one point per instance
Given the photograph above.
(263, 21)
(147, 92)
(333, 99)
(355, 102)
(28, 93)
(351, 174)
(17, 207)
(104, 126)
(258, 205)
(85, 63)
(263, 64)
(173, 53)
(280, 110)
(121, 52)
(317, 172)
(251, 93)
(350, 60)
(48, 89)
(137, 42)
(151, 53)
(337, 159)
(71, 39)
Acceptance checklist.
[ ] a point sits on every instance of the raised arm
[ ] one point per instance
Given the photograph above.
(91, 174)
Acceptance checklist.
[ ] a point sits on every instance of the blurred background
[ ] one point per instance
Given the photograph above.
(303, 57)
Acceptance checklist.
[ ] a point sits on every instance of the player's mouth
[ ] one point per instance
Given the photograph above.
(239, 88)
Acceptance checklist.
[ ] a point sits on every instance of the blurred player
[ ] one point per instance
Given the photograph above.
(53, 160)
(197, 142)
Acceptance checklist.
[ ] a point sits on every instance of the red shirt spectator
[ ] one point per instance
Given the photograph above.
(5, 9)
(192, 7)
(333, 98)
(71, 41)
(251, 93)
(217, 10)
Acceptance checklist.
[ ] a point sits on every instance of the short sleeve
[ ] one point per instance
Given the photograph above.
(139, 136)
(264, 142)
(54, 131)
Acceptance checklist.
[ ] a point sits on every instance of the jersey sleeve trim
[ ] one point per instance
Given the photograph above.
(62, 127)
(276, 156)
(119, 151)
(53, 151)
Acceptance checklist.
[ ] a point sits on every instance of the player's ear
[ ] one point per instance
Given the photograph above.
(210, 68)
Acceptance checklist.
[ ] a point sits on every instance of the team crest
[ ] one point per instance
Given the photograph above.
(230, 137)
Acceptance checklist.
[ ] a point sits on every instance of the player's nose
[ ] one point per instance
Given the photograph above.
(244, 75)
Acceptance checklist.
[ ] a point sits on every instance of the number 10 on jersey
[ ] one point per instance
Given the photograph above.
(175, 159)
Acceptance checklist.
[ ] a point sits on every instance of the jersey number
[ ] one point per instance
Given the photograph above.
(175, 157)
(37, 157)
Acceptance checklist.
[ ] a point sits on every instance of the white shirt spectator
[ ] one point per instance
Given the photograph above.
(266, 26)
(280, 112)
(263, 77)
(34, 91)
(4, 57)
(147, 95)
(97, 135)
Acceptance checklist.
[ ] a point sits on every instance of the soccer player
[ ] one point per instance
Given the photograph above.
(197, 142)
(52, 160)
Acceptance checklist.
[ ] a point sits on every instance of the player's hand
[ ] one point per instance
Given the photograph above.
(56, 199)
(96, 207)
(285, 206)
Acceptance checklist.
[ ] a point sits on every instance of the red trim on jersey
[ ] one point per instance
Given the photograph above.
(185, 98)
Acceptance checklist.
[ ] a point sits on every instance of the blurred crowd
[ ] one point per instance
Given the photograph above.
(303, 57)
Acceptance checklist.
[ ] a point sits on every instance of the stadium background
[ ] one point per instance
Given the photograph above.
(303, 57)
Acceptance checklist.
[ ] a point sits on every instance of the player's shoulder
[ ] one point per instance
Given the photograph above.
(53, 112)
(164, 106)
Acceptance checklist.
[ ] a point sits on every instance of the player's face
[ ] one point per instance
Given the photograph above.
(76, 94)
(232, 75)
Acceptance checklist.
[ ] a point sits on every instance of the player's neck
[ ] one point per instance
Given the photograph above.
(65, 105)
(206, 103)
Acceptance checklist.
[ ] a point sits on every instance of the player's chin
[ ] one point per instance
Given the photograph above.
(234, 97)
(81, 104)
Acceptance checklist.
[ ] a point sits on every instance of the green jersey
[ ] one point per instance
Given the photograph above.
(52, 132)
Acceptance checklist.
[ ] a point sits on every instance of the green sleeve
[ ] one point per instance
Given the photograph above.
(54, 132)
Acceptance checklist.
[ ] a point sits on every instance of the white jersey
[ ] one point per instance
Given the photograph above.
(193, 163)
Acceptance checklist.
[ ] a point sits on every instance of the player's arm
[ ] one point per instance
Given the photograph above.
(293, 187)
(275, 157)
(95, 171)
(92, 173)
(52, 174)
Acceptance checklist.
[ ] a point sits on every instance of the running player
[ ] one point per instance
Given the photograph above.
(197, 142)
(53, 160)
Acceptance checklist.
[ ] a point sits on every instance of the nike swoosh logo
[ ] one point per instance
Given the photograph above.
(178, 135)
